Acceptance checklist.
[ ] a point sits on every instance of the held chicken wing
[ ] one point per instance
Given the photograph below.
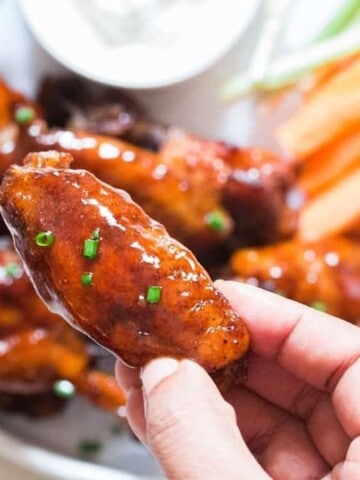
(110, 270)
(325, 275)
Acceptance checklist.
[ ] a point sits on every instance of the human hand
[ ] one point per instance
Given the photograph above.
(297, 414)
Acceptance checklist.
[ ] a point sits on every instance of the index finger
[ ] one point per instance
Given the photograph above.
(312, 345)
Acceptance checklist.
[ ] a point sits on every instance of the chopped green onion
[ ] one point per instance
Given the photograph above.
(24, 114)
(44, 239)
(318, 306)
(64, 389)
(215, 220)
(95, 234)
(90, 249)
(12, 269)
(89, 447)
(153, 294)
(86, 278)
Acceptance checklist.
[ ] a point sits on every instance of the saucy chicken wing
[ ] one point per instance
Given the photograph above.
(209, 195)
(72, 102)
(98, 260)
(325, 275)
(37, 348)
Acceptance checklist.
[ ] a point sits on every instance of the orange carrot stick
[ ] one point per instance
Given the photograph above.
(334, 110)
(330, 164)
(333, 212)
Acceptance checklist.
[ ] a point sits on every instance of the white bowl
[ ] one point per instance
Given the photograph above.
(72, 35)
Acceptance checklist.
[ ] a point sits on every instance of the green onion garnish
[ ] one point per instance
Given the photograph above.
(12, 270)
(86, 278)
(64, 389)
(215, 220)
(318, 306)
(24, 114)
(96, 234)
(44, 239)
(90, 249)
(153, 294)
(89, 447)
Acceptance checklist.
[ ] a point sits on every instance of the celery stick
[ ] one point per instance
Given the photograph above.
(340, 20)
(355, 20)
(292, 67)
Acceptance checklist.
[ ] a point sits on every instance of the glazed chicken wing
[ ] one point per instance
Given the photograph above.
(110, 270)
(325, 275)
(208, 194)
(37, 348)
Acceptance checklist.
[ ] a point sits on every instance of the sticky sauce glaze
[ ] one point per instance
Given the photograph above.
(191, 320)
(326, 273)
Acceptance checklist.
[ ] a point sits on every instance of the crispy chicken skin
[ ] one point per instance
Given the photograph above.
(324, 274)
(191, 319)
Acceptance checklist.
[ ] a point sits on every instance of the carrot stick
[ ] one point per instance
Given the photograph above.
(326, 116)
(330, 164)
(333, 212)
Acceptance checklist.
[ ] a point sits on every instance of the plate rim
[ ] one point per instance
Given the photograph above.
(40, 461)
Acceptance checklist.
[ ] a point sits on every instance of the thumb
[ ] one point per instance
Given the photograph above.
(190, 428)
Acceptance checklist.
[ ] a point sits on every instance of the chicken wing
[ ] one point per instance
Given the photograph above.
(37, 347)
(325, 275)
(110, 270)
(202, 191)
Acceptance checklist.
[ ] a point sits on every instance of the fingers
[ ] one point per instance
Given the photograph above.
(344, 471)
(127, 377)
(279, 440)
(278, 386)
(129, 381)
(346, 399)
(327, 432)
(315, 347)
(350, 468)
(187, 424)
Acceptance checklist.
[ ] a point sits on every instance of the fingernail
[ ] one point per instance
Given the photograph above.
(230, 284)
(155, 372)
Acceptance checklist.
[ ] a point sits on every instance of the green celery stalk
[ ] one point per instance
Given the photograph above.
(340, 20)
(291, 68)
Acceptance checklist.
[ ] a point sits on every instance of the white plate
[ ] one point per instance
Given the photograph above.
(72, 38)
(50, 446)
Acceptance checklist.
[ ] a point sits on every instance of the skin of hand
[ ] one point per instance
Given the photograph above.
(296, 417)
